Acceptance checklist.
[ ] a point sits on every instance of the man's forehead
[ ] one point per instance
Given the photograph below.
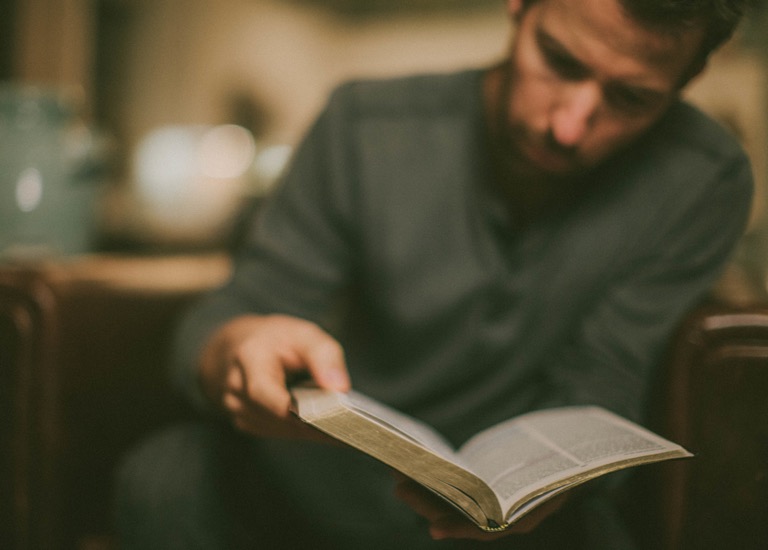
(599, 32)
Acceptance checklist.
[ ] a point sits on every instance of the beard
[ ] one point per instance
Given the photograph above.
(531, 191)
(536, 175)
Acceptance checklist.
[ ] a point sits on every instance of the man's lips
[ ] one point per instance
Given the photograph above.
(548, 159)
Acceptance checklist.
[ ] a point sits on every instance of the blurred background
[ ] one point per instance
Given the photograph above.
(154, 125)
(180, 113)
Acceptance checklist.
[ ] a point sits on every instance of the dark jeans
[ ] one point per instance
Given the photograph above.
(203, 486)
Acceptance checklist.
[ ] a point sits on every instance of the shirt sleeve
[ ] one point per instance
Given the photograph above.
(296, 258)
(617, 345)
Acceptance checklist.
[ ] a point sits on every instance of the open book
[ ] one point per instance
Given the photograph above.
(501, 473)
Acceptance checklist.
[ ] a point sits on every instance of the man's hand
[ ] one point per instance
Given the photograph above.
(447, 523)
(246, 365)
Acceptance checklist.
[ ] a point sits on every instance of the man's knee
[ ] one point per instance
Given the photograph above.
(164, 466)
(166, 486)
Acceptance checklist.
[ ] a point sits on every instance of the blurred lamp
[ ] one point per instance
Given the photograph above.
(190, 181)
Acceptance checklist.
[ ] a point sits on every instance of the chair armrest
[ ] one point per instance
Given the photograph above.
(713, 401)
(83, 351)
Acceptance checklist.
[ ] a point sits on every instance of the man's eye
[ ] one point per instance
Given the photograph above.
(627, 100)
(565, 66)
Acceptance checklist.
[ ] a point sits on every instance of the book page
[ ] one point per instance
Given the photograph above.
(317, 403)
(509, 457)
(401, 442)
(543, 447)
(406, 425)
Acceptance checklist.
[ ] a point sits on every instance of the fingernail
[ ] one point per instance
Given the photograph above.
(336, 380)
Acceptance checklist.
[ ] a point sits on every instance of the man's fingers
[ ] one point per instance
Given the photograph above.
(234, 381)
(246, 366)
(458, 527)
(265, 381)
(444, 521)
(320, 354)
(250, 418)
(532, 519)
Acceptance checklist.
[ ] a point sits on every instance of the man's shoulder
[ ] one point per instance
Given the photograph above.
(417, 94)
(686, 157)
(687, 127)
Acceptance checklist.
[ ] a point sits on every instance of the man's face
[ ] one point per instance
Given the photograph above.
(585, 80)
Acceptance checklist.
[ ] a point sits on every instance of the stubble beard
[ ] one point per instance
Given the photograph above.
(530, 191)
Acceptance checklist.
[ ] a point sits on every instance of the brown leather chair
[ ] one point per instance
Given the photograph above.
(714, 401)
(710, 397)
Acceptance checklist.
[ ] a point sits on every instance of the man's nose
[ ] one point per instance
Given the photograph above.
(575, 112)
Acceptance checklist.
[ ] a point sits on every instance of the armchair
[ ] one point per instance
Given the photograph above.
(82, 377)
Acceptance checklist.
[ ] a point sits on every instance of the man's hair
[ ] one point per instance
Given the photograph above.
(719, 18)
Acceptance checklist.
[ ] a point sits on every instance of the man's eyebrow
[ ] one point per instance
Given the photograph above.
(551, 46)
(649, 94)
(546, 39)
(555, 51)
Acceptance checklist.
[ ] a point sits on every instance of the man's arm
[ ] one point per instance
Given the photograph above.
(615, 349)
(238, 347)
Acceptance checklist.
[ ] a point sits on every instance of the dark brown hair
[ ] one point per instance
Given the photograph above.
(719, 18)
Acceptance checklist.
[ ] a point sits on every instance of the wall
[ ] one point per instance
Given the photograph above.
(265, 64)
(185, 61)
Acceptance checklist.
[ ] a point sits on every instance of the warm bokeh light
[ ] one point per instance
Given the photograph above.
(226, 151)
(190, 180)
(29, 190)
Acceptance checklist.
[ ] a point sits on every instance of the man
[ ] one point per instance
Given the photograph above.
(465, 247)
